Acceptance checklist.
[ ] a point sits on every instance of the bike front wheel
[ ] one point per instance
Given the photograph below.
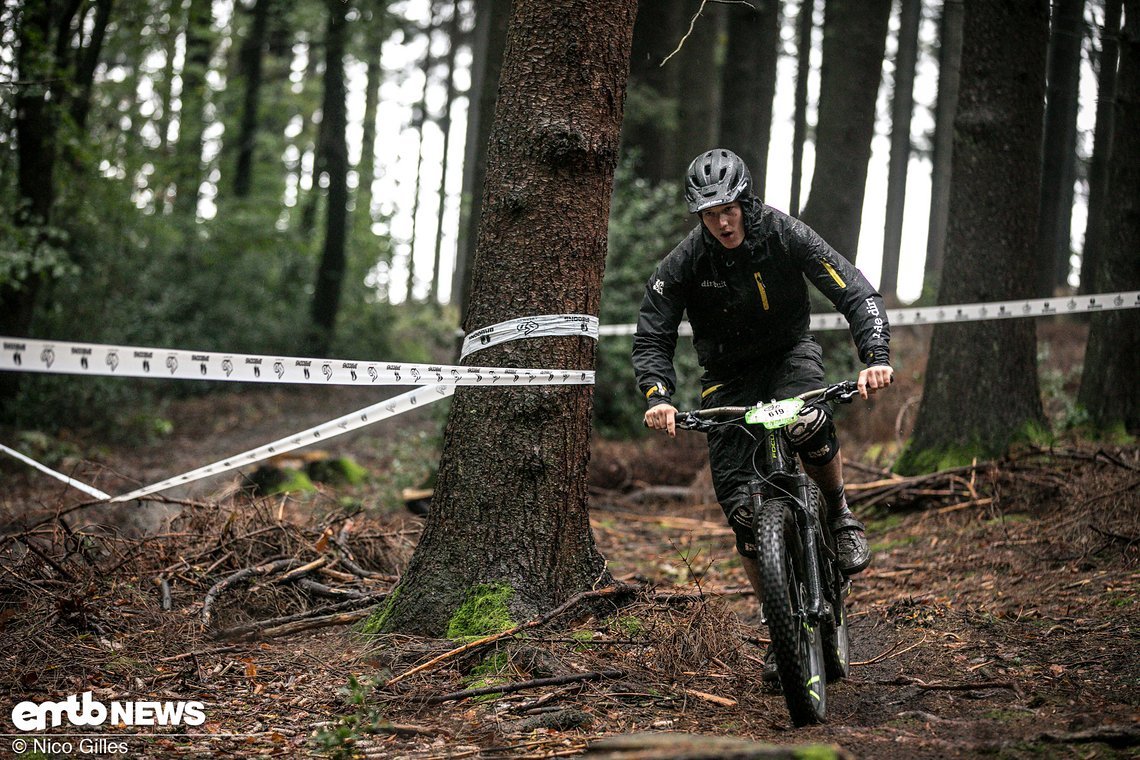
(797, 644)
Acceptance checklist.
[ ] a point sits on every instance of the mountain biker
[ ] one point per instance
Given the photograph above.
(740, 275)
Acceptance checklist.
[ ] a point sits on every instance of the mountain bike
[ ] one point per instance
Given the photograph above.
(803, 588)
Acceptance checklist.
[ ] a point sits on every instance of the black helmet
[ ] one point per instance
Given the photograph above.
(714, 178)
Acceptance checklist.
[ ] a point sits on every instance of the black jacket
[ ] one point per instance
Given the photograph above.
(749, 303)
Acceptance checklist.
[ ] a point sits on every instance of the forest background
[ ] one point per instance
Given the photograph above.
(276, 177)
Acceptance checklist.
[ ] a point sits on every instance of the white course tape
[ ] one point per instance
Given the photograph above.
(341, 425)
(89, 490)
(972, 312)
(59, 357)
(547, 325)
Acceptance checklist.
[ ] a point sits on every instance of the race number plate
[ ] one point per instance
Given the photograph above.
(777, 414)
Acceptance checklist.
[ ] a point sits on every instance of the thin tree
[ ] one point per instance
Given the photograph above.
(419, 121)
(805, 25)
(445, 127)
(330, 272)
(489, 40)
(949, 69)
(374, 32)
(86, 62)
(1054, 220)
(510, 508)
(249, 63)
(47, 84)
(1109, 391)
(1102, 143)
(652, 120)
(700, 96)
(902, 108)
(192, 110)
(980, 390)
(854, 40)
(750, 83)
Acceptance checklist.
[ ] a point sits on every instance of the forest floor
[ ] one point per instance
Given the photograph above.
(1000, 617)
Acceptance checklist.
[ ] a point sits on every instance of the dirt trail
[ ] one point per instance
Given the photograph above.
(1002, 626)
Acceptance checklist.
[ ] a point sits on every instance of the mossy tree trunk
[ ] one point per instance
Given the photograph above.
(981, 390)
(510, 507)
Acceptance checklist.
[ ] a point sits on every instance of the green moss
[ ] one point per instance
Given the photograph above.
(339, 470)
(816, 752)
(294, 481)
(485, 612)
(629, 626)
(375, 622)
(914, 461)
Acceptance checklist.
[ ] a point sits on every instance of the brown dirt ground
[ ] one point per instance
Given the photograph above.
(999, 618)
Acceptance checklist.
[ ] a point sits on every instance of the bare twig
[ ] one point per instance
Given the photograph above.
(568, 604)
(509, 688)
(216, 590)
(241, 631)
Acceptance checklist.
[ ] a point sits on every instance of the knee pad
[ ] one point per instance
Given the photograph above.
(813, 435)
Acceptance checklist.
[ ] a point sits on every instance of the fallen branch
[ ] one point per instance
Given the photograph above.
(249, 630)
(509, 688)
(341, 618)
(218, 588)
(569, 603)
(722, 701)
(321, 589)
(1114, 736)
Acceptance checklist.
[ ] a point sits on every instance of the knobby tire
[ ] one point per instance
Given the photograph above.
(796, 645)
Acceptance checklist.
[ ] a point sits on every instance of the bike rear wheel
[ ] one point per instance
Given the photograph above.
(797, 645)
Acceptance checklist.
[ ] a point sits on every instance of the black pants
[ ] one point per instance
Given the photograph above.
(731, 448)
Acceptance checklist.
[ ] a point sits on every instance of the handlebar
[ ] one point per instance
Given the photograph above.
(701, 420)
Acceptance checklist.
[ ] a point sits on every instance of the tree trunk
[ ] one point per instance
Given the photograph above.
(250, 59)
(445, 126)
(699, 95)
(981, 390)
(88, 59)
(419, 121)
(510, 507)
(651, 124)
(1054, 220)
(42, 72)
(805, 24)
(491, 18)
(750, 82)
(192, 114)
(1102, 145)
(374, 76)
(902, 107)
(330, 274)
(949, 66)
(1108, 388)
(854, 39)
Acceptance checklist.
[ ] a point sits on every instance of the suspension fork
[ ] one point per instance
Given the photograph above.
(783, 474)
